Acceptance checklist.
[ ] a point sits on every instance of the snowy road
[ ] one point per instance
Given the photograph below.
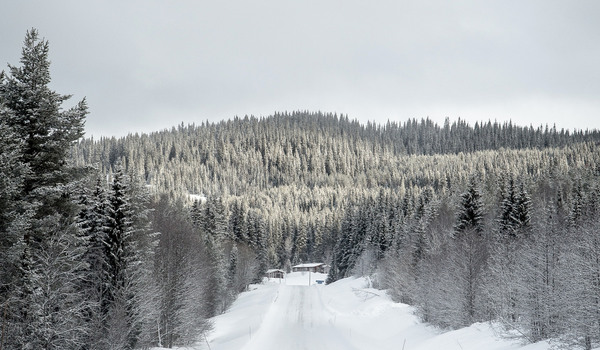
(299, 318)
(290, 314)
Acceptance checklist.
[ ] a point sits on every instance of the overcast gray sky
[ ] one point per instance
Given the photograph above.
(146, 65)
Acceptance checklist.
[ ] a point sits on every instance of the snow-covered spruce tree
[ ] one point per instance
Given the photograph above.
(396, 267)
(93, 221)
(44, 234)
(238, 222)
(522, 214)
(258, 238)
(144, 286)
(300, 241)
(379, 232)
(211, 221)
(577, 204)
(350, 244)
(117, 243)
(469, 252)
(470, 211)
(507, 203)
(128, 301)
(510, 233)
(523, 284)
(515, 209)
(37, 117)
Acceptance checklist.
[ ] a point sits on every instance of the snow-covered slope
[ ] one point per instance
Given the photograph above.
(290, 314)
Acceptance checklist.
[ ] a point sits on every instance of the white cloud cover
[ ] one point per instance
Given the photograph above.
(146, 65)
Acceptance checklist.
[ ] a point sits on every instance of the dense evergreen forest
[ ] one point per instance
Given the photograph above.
(123, 243)
(467, 222)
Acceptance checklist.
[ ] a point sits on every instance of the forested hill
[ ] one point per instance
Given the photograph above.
(303, 170)
(308, 165)
(309, 148)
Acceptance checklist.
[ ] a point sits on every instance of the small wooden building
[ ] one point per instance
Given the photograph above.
(312, 267)
(275, 273)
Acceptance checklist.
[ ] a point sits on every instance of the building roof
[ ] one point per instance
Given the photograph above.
(309, 265)
(274, 270)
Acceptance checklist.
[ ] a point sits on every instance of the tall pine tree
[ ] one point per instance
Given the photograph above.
(44, 233)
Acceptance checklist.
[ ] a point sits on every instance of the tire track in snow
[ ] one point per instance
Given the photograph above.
(298, 320)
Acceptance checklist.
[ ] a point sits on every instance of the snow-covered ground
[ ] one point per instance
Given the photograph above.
(291, 314)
